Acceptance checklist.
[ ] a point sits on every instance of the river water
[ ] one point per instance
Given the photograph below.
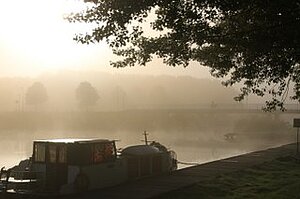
(191, 147)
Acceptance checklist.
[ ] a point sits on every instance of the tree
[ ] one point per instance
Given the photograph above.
(256, 43)
(36, 94)
(87, 95)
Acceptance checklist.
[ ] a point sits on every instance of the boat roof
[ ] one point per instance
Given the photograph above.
(138, 150)
(75, 140)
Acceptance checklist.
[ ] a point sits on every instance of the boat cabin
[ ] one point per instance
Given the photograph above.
(61, 161)
(67, 166)
(74, 151)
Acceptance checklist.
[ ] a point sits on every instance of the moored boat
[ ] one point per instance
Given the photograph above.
(60, 167)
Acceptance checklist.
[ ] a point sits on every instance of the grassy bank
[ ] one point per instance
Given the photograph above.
(276, 179)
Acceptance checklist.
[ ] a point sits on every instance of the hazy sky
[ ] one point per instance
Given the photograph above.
(34, 38)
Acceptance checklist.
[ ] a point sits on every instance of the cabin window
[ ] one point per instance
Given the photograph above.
(109, 151)
(39, 152)
(103, 152)
(98, 155)
(62, 154)
(52, 153)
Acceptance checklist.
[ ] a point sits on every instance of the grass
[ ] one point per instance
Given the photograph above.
(278, 179)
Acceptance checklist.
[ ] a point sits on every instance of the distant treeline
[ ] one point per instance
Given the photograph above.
(116, 92)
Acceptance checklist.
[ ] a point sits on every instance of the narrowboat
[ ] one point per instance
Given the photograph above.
(69, 166)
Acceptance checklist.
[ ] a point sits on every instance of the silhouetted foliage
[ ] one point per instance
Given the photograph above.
(36, 94)
(255, 43)
(87, 95)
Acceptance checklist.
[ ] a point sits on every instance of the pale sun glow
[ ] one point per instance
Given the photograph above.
(35, 35)
(34, 38)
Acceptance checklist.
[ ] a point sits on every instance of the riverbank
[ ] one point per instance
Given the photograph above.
(279, 178)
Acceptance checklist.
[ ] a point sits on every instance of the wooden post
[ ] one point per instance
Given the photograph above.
(298, 141)
(297, 125)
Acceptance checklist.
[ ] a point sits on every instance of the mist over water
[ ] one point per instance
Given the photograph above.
(197, 118)
(196, 137)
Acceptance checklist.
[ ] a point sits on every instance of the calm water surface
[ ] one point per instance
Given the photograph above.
(191, 147)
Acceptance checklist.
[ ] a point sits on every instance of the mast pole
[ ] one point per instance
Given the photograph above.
(146, 138)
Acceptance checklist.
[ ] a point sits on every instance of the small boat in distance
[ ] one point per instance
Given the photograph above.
(70, 166)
